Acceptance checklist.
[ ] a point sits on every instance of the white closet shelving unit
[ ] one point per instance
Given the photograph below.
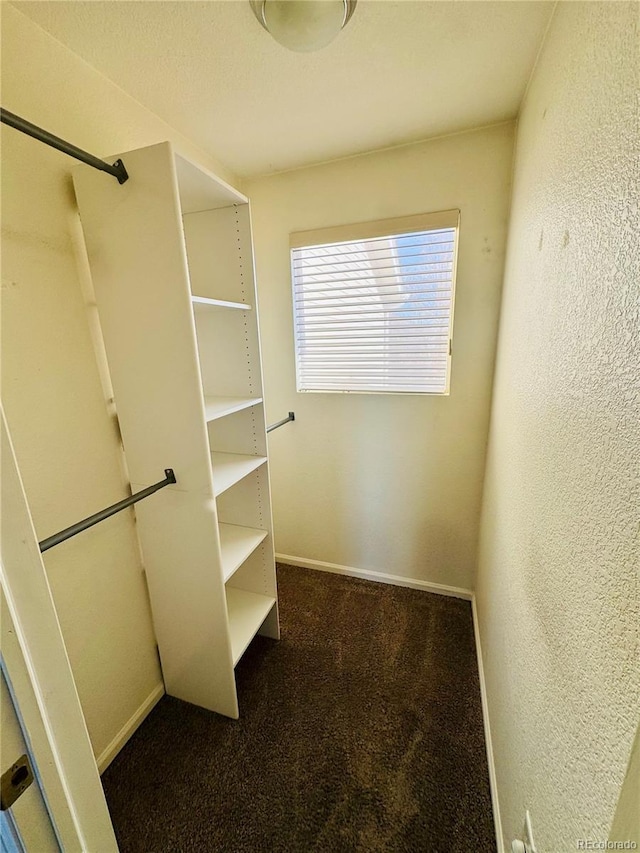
(171, 260)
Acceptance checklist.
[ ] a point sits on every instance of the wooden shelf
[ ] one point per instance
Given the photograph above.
(236, 544)
(203, 303)
(247, 611)
(147, 298)
(219, 407)
(230, 468)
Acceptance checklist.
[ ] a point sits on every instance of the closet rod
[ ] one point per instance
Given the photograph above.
(116, 169)
(79, 526)
(284, 421)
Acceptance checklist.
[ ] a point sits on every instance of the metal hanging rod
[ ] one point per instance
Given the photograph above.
(284, 421)
(79, 526)
(116, 169)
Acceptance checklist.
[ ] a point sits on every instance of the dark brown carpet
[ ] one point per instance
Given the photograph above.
(361, 730)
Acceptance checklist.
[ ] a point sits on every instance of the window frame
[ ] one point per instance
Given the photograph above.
(361, 231)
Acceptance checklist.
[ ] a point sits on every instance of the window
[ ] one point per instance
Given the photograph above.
(373, 305)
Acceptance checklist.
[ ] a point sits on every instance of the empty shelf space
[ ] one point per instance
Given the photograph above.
(203, 303)
(218, 407)
(230, 468)
(247, 611)
(236, 544)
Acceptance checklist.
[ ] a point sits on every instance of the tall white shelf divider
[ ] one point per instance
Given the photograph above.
(171, 260)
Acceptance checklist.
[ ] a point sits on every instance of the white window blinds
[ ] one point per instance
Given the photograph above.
(374, 313)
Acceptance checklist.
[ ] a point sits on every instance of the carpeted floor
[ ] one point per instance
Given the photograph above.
(360, 730)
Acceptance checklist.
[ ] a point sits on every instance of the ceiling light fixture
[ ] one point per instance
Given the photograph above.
(303, 25)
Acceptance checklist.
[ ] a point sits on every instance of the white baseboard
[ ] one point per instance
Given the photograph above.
(493, 782)
(379, 577)
(112, 749)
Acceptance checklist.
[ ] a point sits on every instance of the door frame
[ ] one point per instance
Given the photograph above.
(35, 661)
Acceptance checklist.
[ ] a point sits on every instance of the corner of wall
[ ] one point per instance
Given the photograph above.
(493, 781)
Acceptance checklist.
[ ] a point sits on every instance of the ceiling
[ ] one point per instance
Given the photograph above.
(401, 71)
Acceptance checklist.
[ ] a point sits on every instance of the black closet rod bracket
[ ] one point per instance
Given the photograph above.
(79, 526)
(291, 417)
(116, 169)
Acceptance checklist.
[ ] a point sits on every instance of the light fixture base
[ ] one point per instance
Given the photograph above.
(303, 25)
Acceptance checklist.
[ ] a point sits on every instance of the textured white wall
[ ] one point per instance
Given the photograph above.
(558, 585)
(66, 441)
(387, 483)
